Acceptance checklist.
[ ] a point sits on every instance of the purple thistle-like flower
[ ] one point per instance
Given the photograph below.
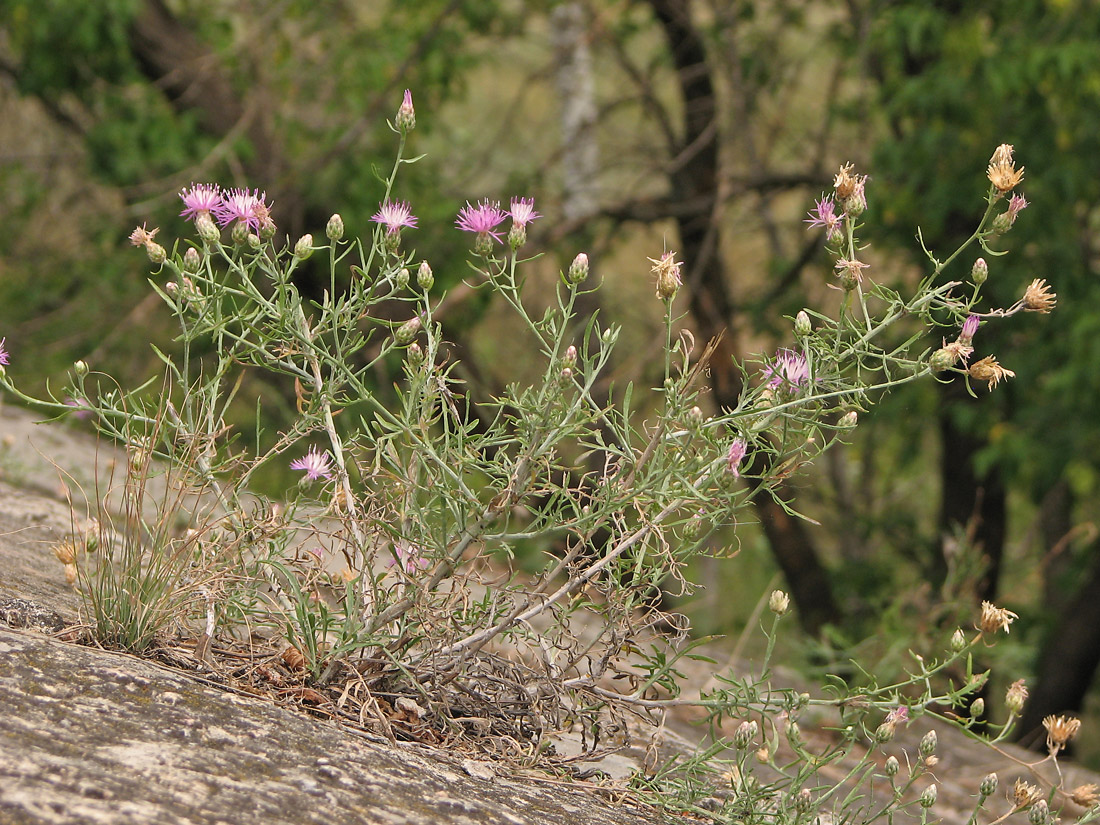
(409, 557)
(970, 327)
(202, 197)
(735, 456)
(824, 215)
(249, 208)
(1016, 204)
(523, 211)
(394, 215)
(315, 463)
(482, 219)
(4, 356)
(790, 370)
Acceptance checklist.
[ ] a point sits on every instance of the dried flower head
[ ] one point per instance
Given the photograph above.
(1016, 696)
(1060, 729)
(779, 602)
(1002, 172)
(142, 236)
(850, 189)
(1025, 795)
(850, 272)
(667, 270)
(990, 371)
(1038, 297)
(1086, 795)
(65, 550)
(995, 618)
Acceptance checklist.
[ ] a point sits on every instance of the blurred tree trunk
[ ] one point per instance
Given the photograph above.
(694, 177)
(972, 504)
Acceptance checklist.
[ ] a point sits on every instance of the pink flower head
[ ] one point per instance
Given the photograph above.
(523, 211)
(82, 404)
(970, 327)
(316, 465)
(409, 557)
(824, 215)
(898, 715)
(481, 219)
(394, 215)
(789, 371)
(1016, 204)
(202, 197)
(249, 208)
(4, 357)
(736, 454)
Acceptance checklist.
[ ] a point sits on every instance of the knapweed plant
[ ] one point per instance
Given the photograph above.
(381, 590)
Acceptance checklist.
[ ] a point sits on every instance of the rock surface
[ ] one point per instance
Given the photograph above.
(96, 737)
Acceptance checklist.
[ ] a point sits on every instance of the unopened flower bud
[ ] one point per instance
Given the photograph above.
(407, 331)
(191, 260)
(570, 357)
(406, 114)
(155, 252)
(779, 603)
(239, 233)
(609, 336)
(517, 236)
(1039, 813)
(80, 368)
(254, 241)
(207, 229)
(848, 420)
(989, 785)
(928, 744)
(885, 732)
(694, 417)
(745, 734)
(977, 707)
(928, 798)
(304, 248)
(424, 276)
(267, 229)
(979, 272)
(415, 354)
(941, 359)
(1001, 224)
(566, 374)
(958, 640)
(334, 229)
(578, 270)
(695, 527)
(802, 325)
(401, 278)
(891, 767)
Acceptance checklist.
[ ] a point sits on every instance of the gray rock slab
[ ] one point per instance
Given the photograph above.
(88, 736)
